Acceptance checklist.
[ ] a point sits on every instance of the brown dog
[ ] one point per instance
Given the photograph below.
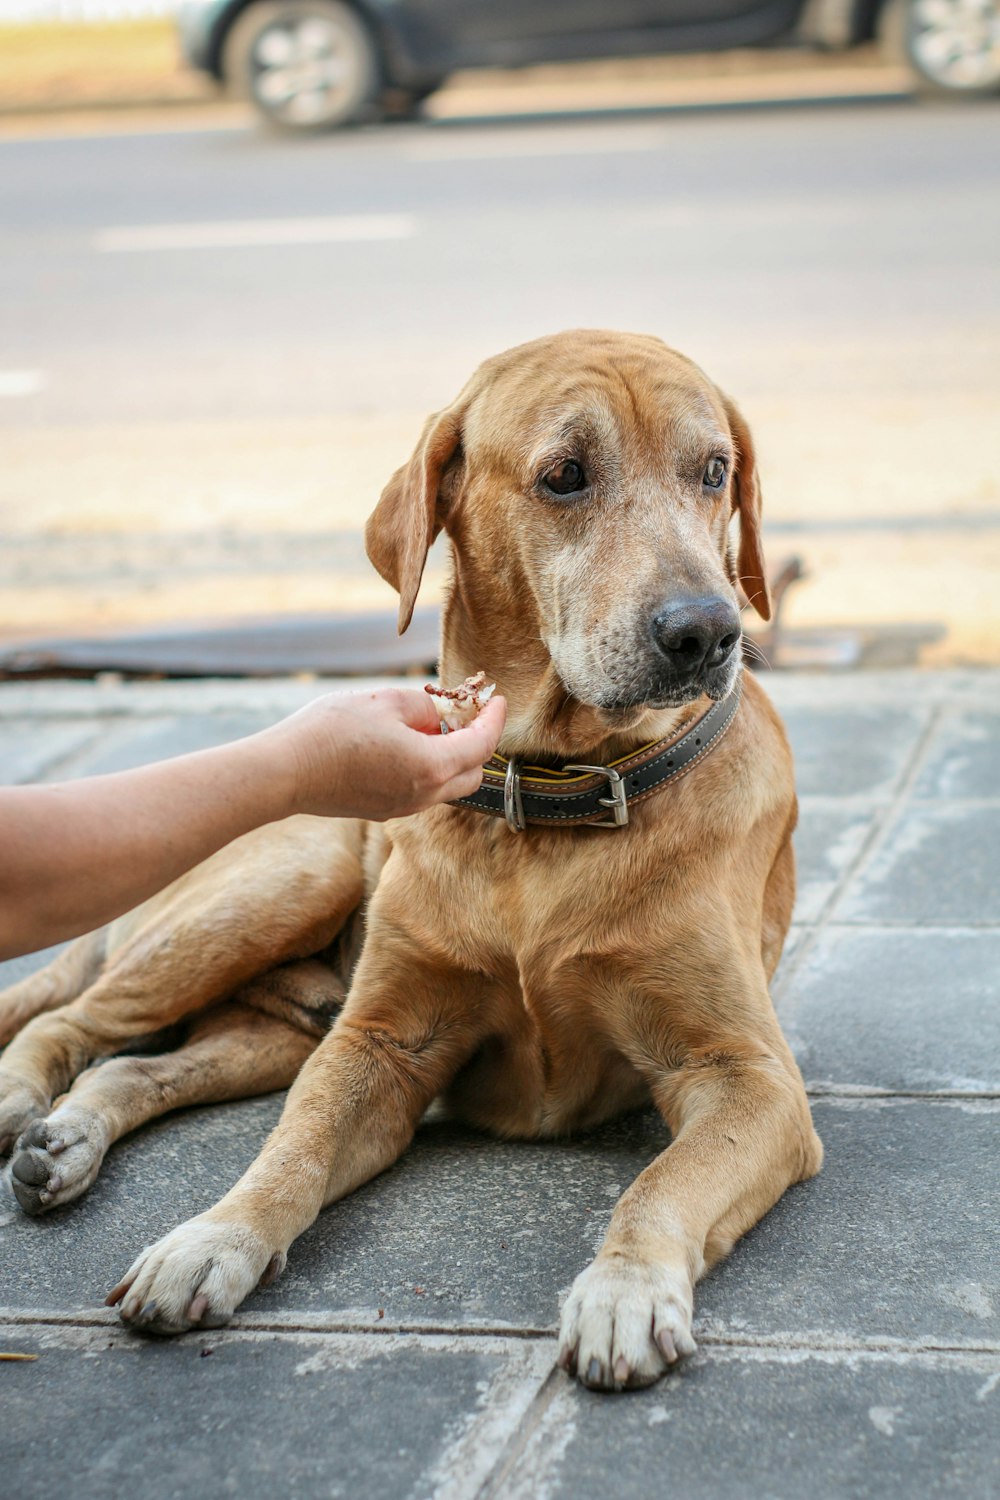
(540, 980)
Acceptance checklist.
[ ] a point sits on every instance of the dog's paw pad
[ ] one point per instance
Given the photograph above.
(194, 1278)
(624, 1323)
(57, 1159)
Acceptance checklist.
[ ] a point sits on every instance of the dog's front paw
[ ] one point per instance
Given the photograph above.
(625, 1321)
(57, 1159)
(195, 1277)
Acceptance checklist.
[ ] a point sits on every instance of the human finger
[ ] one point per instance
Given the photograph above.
(417, 711)
(462, 785)
(465, 749)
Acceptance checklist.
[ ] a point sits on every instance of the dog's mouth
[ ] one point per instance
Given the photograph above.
(661, 690)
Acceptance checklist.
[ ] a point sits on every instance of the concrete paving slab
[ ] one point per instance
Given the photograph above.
(898, 1009)
(773, 1424)
(896, 1238)
(27, 963)
(406, 1243)
(150, 1183)
(963, 758)
(129, 744)
(29, 749)
(846, 750)
(256, 1415)
(937, 865)
(828, 839)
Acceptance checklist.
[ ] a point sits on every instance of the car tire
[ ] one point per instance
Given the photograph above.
(953, 46)
(307, 65)
(404, 103)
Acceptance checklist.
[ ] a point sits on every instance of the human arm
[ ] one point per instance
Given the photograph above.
(78, 854)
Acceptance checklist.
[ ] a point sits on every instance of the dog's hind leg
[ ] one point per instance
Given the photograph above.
(62, 980)
(233, 1052)
(281, 893)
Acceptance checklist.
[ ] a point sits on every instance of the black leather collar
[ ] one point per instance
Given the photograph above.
(596, 796)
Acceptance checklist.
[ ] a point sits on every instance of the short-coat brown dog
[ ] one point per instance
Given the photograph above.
(539, 978)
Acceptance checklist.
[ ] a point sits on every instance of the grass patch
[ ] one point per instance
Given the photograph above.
(57, 65)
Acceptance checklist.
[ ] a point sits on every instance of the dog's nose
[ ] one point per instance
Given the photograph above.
(697, 633)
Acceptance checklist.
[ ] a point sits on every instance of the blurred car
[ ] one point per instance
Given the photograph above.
(315, 64)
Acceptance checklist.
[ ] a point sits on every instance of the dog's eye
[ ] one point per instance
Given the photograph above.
(715, 474)
(566, 479)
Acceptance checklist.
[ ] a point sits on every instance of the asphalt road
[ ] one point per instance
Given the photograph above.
(205, 330)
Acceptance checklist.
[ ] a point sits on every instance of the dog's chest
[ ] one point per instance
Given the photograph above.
(497, 900)
(550, 932)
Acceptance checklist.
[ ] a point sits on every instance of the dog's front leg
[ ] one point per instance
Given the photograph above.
(405, 1030)
(742, 1134)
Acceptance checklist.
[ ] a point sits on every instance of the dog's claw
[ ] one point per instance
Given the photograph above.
(622, 1370)
(594, 1372)
(274, 1268)
(198, 1308)
(667, 1347)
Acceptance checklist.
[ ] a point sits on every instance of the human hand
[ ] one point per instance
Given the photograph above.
(381, 755)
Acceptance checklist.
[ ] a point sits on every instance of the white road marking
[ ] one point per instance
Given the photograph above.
(21, 382)
(238, 233)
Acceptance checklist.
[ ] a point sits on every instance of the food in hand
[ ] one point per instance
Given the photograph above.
(457, 707)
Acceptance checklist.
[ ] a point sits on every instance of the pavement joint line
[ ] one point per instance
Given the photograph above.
(831, 1092)
(914, 924)
(107, 736)
(830, 801)
(708, 1337)
(884, 818)
(519, 1440)
(293, 1323)
(949, 929)
(60, 765)
(973, 1104)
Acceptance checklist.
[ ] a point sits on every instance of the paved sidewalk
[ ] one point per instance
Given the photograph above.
(849, 1347)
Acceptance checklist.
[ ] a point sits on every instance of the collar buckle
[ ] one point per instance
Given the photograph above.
(617, 802)
(513, 807)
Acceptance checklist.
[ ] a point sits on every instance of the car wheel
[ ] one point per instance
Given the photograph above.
(954, 45)
(306, 64)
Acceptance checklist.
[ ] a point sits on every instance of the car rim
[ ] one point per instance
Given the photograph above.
(957, 42)
(303, 70)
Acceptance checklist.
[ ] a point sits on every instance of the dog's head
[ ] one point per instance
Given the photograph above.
(588, 481)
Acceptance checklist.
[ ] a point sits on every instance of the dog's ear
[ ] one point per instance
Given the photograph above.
(409, 513)
(750, 565)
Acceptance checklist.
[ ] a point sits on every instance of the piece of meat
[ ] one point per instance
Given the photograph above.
(457, 707)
